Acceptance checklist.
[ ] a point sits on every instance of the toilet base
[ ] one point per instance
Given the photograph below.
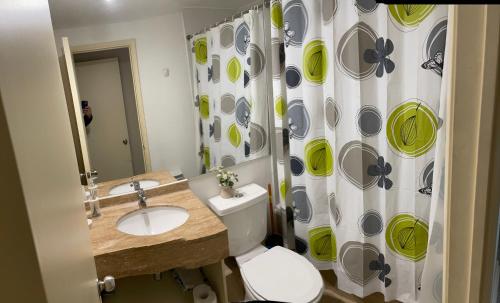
(249, 296)
(249, 293)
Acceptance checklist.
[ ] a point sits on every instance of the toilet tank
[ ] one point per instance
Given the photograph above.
(245, 217)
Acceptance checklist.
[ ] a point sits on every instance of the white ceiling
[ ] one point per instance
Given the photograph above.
(74, 13)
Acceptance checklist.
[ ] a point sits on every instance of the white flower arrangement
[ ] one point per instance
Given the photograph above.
(226, 177)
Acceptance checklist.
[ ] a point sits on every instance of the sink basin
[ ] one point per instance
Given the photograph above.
(125, 188)
(152, 221)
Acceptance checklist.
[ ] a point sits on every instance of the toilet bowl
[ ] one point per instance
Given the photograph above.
(277, 274)
(281, 275)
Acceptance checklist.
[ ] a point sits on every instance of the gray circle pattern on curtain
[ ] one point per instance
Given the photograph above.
(350, 52)
(332, 113)
(227, 36)
(242, 38)
(366, 6)
(371, 223)
(243, 112)
(355, 258)
(227, 104)
(369, 121)
(328, 10)
(258, 138)
(303, 208)
(354, 159)
(257, 60)
(296, 22)
(298, 119)
(293, 76)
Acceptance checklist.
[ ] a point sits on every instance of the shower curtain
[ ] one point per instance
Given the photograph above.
(229, 82)
(359, 84)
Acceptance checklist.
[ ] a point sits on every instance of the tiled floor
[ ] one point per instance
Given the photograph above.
(236, 291)
(140, 289)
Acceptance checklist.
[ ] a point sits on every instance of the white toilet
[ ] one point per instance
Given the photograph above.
(276, 274)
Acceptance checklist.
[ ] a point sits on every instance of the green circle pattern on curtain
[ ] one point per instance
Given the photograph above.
(200, 50)
(280, 107)
(234, 135)
(204, 107)
(412, 128)
(410, 15)
(276, 14)
(206, 157)
(407, 236)
(315, 61)
(322, 244)
(233, 69)
(283, 189)
(319, 157)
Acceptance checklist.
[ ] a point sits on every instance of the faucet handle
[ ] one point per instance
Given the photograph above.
(92, 173)
(142, 198)
(136, 185)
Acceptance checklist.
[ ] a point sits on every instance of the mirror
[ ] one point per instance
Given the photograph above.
(163, 90)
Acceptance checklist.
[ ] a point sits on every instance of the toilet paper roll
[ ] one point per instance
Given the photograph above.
(204, 294)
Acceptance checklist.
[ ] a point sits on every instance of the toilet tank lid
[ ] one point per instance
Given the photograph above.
(251, 194)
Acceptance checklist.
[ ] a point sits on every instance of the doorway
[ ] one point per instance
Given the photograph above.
(108, 83)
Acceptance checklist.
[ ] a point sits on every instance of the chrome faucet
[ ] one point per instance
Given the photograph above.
(140, 193)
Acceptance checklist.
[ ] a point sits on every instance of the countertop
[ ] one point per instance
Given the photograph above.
(202, 240)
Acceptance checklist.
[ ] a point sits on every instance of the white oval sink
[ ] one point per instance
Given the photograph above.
(125, 188)
(152, 221)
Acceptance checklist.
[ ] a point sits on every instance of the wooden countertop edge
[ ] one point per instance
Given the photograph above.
(175, 241)
(112, 263)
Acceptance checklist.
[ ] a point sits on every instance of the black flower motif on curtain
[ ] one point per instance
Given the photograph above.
(383, 268)
(380, 56)
(382, 169)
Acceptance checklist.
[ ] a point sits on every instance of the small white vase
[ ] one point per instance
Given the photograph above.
(226, 192)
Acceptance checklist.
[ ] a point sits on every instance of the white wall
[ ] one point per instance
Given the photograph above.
(254, 171)
(196, 19)
(168, 103)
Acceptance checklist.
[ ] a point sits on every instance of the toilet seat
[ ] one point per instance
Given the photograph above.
(282, 275)
(255, 296)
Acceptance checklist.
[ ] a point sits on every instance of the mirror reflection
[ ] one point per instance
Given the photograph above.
(163, 92)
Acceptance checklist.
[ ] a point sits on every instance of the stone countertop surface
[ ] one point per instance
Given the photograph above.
(200, 241)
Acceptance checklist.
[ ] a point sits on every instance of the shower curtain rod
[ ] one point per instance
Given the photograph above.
(255, 7)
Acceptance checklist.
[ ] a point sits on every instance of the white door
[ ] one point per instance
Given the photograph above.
(45, 249)
(99, 83)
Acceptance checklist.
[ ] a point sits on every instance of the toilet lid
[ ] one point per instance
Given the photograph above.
(282, 275)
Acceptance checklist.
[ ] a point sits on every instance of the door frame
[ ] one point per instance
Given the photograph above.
(473, 155)
(130, 44)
